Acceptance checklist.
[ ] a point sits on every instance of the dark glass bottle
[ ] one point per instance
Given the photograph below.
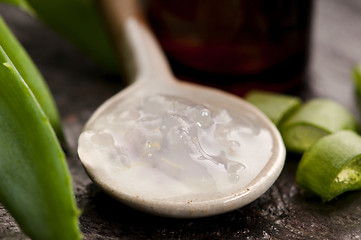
(235, 45)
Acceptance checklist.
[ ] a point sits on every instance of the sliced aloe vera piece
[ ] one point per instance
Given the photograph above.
(314, 120)
(357, 81)
(332, 165)
(31, 75)
(277, 107)
(35, 185)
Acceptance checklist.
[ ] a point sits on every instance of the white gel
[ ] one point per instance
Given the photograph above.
(169, 147)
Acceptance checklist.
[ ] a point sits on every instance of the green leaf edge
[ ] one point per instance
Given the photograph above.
(81, 23)
(22, 4)
(31, 76)
(35, 184)
(356, 73)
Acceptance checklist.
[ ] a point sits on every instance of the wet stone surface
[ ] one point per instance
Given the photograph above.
(283, 212)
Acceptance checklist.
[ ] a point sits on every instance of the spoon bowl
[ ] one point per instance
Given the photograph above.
(162, 186)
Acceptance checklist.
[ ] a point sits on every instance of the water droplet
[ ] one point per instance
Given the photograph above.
(234, 167)
(200, 115)
(234, 170)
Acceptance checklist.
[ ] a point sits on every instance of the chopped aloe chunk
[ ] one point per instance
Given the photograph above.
(332, 165)
(302, 136)
(314, 120)
(277, 107)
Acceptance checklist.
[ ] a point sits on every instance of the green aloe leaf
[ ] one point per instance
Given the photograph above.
(35, 185)
(357, 83)
(357, 79)
(19, 3)
(31, 75)
(80, 22)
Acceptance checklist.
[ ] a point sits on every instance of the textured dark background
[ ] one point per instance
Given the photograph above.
(283, 212)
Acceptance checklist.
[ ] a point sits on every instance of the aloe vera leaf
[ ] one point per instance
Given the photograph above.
(35, 184)
(357, 82)
(357, 79)
(332, 165)
(80, 22)
(315, 119)
(277, 107)
(31, 75)
(19, 3)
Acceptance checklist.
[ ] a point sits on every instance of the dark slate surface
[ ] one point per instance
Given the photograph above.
(283, 212)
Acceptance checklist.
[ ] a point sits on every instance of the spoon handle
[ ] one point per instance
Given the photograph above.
(140, 55)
